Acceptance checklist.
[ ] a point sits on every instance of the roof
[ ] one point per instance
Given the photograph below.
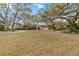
(41, 24)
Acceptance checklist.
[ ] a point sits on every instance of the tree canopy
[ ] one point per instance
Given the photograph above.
(12, 14)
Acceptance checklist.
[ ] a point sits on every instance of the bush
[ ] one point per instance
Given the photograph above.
(2, 27)
(31, 27)
(19, 28)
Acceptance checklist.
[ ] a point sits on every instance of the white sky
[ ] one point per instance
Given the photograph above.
(40, 1)
(39, 5)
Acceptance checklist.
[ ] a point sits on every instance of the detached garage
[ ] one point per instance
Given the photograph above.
(42, 26)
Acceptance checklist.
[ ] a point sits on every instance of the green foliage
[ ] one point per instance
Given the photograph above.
(2, 27)
(27, 27)
(73, 27)
(31, 27)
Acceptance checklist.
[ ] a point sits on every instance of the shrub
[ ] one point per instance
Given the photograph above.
(2, 27)
(31, 27)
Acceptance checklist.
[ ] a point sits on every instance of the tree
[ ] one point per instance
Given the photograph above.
(20, 13)
(69, 12)
(4, 9)
(11, 14)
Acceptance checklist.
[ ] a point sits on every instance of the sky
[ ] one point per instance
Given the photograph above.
(36, 7)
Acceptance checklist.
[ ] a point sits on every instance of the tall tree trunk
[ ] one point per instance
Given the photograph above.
(6, 27)
(13, 25)
(53, 25)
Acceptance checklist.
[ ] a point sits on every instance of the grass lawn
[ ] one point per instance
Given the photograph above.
(39, 43)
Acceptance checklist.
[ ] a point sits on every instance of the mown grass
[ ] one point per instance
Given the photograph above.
(39, 43)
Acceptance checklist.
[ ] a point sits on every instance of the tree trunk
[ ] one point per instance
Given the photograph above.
(6, 27)
(53, 25)
(13, 27)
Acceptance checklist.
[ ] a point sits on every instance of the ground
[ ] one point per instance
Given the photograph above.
(39, 43)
